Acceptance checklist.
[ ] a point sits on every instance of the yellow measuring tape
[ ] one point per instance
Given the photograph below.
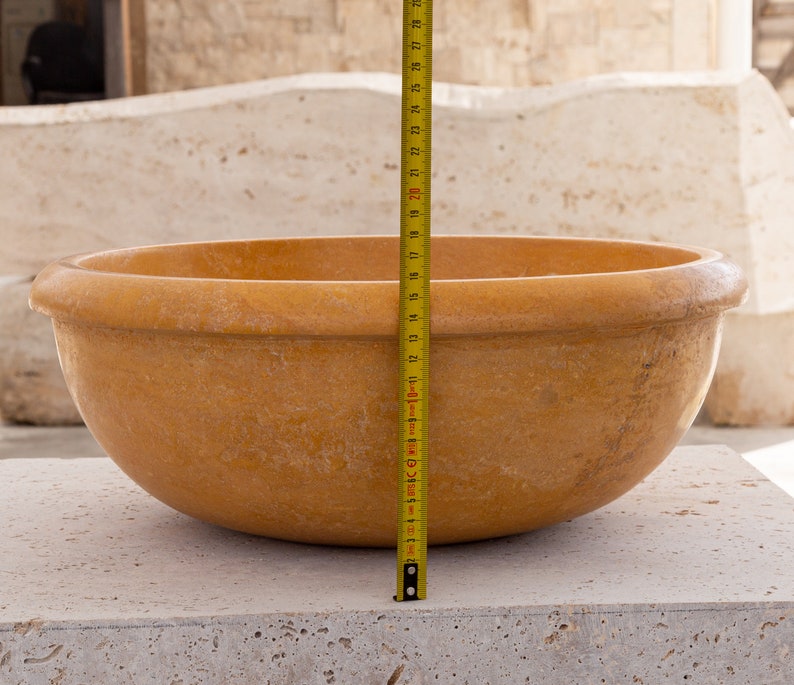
(414, 346)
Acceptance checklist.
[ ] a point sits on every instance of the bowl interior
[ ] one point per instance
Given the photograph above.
(377, 258)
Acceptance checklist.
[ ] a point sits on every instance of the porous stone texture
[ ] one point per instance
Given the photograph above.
(703, 158)
(194, 43)
(684, 579)
(32, 388)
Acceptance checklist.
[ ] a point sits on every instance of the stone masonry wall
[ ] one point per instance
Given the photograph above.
(194, 43)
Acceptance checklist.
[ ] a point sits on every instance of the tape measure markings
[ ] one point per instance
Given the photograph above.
(414, 332)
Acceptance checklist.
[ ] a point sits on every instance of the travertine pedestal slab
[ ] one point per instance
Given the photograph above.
(688, 578)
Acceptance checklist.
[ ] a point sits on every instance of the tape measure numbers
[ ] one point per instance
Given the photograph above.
(414, 343)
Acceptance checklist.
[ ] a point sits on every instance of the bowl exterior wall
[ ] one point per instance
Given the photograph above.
(295, 438)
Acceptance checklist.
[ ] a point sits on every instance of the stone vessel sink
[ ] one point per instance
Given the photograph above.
(253, 384)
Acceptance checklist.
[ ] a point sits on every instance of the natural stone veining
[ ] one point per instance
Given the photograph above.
(253, 383)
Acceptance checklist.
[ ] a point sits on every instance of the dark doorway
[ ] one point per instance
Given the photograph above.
(65, 58)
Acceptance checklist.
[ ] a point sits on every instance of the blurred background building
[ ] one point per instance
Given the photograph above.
(165, 45)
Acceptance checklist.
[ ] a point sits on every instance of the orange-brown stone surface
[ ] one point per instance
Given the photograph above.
(253, 384)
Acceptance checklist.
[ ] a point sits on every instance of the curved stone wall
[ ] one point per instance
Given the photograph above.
(702, 158)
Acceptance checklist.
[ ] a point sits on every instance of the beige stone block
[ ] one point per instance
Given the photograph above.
(704, 158)
(754, 381)
(635, 13)
(522, 73)
(617, 50)
(692, 34)
(32, 389)
(605, 10)
(513, 46)
(520, 13)
(569, 6)
(362, 23)
(448, 63)
(538, 16)
(187, 8)
(256, 10)
(690, 146)
(298, 8)
(573, 29)
(651, 57)
(228, 17)
(313, 51)
(199, 31)
(653, 34)
(163, 12)
(543, 68)
(580, 61)
(349, 35)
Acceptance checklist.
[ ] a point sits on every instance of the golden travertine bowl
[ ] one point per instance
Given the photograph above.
(253, 384)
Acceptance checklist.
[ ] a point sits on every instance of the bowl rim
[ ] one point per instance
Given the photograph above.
(69, 290)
